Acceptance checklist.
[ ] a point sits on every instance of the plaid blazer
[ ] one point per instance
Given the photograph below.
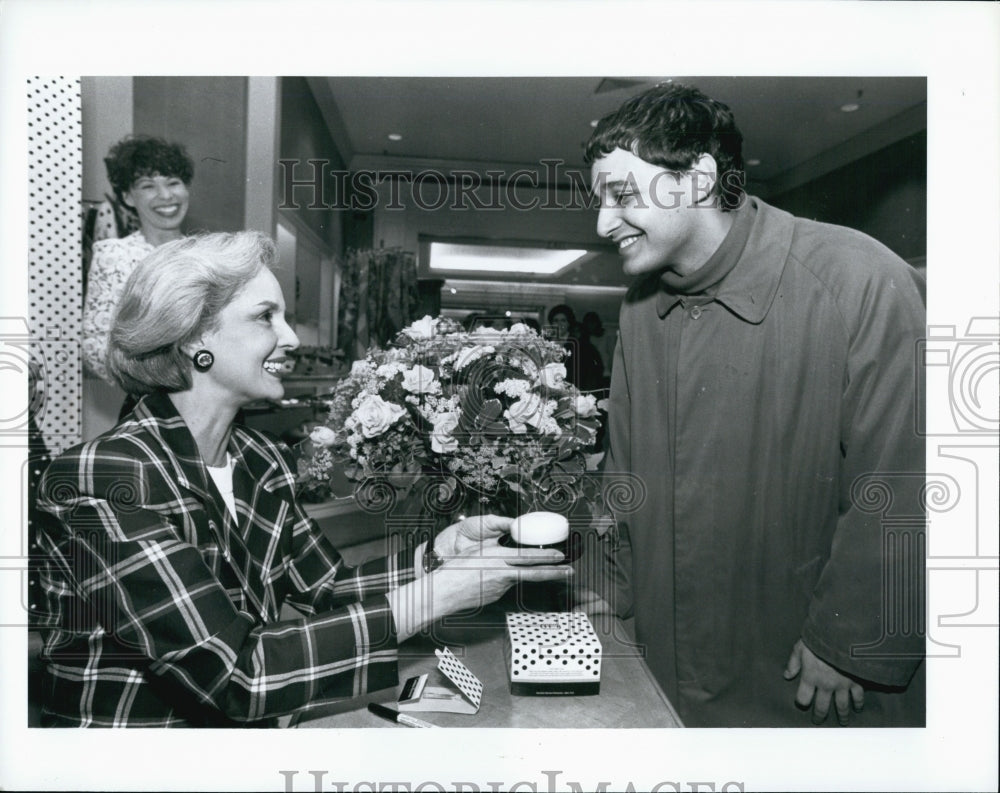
(162, 610)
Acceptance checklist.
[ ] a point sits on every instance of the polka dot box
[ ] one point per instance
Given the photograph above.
(552, 654)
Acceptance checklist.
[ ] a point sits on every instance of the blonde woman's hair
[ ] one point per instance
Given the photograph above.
(172, 298)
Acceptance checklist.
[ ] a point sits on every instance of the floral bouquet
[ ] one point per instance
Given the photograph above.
(485, 416)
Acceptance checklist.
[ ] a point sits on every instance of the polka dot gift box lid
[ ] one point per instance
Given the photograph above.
(553, 654)
(464, 697)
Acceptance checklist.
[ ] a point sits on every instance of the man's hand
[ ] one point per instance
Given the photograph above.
(820, 683)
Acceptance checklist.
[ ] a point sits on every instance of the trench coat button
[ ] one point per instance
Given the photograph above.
(696, 312)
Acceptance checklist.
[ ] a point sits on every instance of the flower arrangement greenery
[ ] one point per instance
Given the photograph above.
(487, 416)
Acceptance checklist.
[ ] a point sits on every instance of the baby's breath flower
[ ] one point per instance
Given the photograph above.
(512, 387)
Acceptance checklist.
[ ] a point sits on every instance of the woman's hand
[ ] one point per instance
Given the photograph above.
(467, 533)
(461, 536)
(475, 571)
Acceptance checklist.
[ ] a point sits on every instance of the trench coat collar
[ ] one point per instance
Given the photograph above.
(749, 288)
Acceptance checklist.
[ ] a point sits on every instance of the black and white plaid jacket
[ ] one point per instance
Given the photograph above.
(162, 610)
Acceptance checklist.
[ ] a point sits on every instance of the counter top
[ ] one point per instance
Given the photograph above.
(629, 696)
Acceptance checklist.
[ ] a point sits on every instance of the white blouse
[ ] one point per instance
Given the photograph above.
(223, 478)
(112, 263)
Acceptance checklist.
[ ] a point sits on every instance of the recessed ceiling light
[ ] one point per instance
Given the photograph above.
(501, 259)
(752, 163)
(595, 122)
(395, 136)
(454, 291)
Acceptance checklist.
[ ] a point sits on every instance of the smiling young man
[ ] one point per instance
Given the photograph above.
(763, 384)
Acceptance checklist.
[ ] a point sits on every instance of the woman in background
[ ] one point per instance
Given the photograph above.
(176, 538)
(592, 379)
(150, 177)
(562, 328)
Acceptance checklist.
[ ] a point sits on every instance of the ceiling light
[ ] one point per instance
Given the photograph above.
(595, 122)
(395, 136)
(453, 290)
(752, 163)
(501, 258)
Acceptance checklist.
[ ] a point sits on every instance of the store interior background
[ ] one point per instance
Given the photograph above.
(864, 168)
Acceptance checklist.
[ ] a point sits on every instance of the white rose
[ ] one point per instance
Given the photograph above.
(420, 380)
(586, 405)
(374, 415)
(470, 354)
(553, 375)
(526, 410)
(322, 436)
(421, 329)
(442, 438)
(519, 329)
(517, 426)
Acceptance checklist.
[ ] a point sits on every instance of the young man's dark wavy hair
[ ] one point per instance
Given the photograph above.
(672, 125)
(136, 156)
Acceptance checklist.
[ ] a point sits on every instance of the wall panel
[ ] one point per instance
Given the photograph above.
(54, 256)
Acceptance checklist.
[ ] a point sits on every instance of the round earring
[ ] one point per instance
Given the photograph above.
(203, 360)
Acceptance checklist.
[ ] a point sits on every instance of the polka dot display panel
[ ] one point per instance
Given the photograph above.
(459, 674)
(55, 274)
(553, 646)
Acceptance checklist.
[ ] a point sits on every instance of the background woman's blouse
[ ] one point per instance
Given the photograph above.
(112, 264)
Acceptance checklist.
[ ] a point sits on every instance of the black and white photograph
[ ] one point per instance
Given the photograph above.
(612, 386)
